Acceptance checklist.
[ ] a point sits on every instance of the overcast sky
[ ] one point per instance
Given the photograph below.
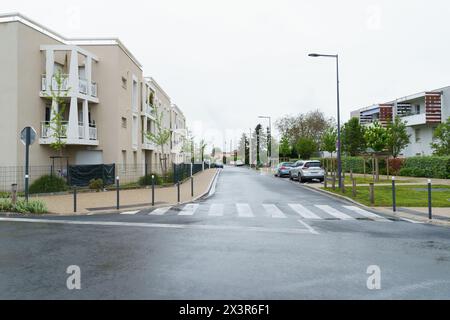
(226, 62)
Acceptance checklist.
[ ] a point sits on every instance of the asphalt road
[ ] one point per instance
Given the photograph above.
(256, 237)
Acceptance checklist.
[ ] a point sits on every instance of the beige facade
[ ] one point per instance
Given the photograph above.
(107, 107)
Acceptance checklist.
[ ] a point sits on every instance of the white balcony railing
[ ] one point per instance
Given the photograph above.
(92, 132)
(47, 132)
(415, 119)
(82, 86)
(64, 86)
(94, 89)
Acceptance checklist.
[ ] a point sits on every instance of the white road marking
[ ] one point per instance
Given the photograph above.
(216, 210)
(367, 214)
(305, 213)
(412, 221)
(307, 226)
(335, 213)
(244, 210)
(160, 225)
(130, 212)
(189, 209)
(273, 211)
(159, 211)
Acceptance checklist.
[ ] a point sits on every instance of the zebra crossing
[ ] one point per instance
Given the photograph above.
(266, 210)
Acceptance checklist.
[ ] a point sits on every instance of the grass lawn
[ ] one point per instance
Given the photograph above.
(406, 196)
(368, 179)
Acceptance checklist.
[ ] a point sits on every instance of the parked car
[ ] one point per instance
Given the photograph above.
(307, 170)
(239, 163)
(293, 172)
(283, 169)
(218, 164)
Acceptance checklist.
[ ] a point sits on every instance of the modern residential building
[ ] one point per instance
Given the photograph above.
(106, 103)
(179, 153)
(422, 112)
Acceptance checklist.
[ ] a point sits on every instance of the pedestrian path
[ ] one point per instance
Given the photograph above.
(266, 210)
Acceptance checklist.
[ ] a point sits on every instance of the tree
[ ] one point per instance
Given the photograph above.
(441, 139)
(202, 146)
(305, 148)
(285, 147)
(377, 137)
(56, 126)
(160, 138)
(329, 141)
(352, 137)
(310, 125)
(258, 144)
(398, 138)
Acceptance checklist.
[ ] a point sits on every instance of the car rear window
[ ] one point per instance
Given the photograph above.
(312, 165)
(286, 164)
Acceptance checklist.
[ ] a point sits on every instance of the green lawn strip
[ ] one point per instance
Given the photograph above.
(369, 179)
(406, 196)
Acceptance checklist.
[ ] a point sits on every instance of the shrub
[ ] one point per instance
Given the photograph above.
(21, 206)
(430, 167)
(48, 184)
(6, 205)
(96, 184)
(353, 163)
(395, 165)
(147, 180)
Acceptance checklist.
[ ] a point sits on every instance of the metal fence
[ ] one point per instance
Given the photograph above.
(128, 173)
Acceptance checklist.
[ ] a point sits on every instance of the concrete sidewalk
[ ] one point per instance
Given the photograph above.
(96, 202)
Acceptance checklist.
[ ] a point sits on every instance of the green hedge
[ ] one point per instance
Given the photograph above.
(429, 167)
(21, 206)
(48, 184)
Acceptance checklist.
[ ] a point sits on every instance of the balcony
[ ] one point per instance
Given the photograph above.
(415, 119)
(47, 136)
(147, 144)
(64, 86)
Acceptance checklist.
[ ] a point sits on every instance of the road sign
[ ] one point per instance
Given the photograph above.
(23, 135)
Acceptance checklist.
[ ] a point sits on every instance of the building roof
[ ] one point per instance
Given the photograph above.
(18, 17)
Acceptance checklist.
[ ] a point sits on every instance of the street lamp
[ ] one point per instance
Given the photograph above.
(269, 149)
(315, 55)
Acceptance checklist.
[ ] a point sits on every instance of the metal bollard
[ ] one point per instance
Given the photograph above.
(74, 198)
(14, 194)
(430, 214)
(353, 188)
(333, 182)
(192, 186)
(325, 181)
(117, 190)
(372, 193)
(153, 189)
(178, 188)
(394, 205)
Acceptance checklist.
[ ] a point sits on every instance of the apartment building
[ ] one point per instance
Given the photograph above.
(178, 130)
(422, 112)
(108, 103)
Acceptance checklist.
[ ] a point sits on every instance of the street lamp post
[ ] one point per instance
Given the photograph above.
(269, 144)
(315, 55)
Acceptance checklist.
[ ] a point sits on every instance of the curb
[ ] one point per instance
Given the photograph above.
(393, 215)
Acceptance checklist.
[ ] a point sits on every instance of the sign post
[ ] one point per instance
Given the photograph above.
(27, 136)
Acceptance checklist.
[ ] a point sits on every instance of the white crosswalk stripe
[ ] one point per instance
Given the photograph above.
(244, 210)
(335, 213)
(160, 211)
(129, 212)
(273, 211)
(189, 209)
(304, 212)
(367, 214)
(216, 210)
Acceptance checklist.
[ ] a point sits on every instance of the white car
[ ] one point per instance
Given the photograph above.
(307, 170)
(239, 163)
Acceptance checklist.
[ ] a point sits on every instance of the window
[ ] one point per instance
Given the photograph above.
(124, 82)
(417, 134)
(124, 157)
(135, 158)
(417, 109)
(124, 122)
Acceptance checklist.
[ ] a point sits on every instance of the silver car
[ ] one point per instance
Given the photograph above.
(307, 170)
